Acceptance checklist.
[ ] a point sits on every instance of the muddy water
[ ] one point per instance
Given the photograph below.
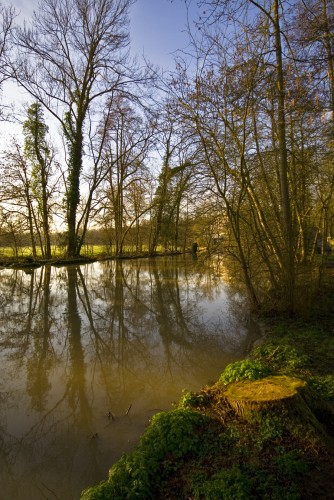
(88, 354)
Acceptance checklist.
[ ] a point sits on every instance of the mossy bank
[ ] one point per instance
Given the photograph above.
(264, 430)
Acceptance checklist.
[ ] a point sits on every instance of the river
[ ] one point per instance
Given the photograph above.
(89, 353)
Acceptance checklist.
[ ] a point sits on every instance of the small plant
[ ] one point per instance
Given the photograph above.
(323, 385)
(230, 436)
(270, 428)
(229, 484)
(281, 357)
(245, 369)
(192, 400)
(291, 464)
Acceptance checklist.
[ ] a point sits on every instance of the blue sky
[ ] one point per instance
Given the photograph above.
(157, 26)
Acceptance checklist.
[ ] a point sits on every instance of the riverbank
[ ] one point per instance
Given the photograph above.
(24, 262)
(274, 439)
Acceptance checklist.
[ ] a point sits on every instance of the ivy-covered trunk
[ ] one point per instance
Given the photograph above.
(37, 153)
(75, 138)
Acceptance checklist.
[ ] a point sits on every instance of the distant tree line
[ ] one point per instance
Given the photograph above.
(235, 149)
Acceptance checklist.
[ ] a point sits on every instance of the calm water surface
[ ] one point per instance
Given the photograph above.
(79, 344)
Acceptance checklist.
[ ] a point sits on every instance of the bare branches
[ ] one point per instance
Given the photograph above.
(72, 53)
(71, 58)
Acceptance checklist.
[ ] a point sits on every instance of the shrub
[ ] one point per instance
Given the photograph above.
(192, 400)
(246, 369)
(229, 484)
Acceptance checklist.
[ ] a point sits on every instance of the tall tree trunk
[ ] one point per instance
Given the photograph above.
(31, 224)
(46, 226)
(330, 56)
(288, 247)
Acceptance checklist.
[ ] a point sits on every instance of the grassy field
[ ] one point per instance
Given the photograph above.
(8, 252)
(88, 250)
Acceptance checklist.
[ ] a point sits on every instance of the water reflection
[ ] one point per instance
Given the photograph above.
(89, 353)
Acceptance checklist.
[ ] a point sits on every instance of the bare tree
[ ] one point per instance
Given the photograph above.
(16, 192)
(240, 75)
(128, 140)
(7, 16)
(71, 60)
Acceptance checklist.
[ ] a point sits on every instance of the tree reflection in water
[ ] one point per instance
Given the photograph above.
(82, 345)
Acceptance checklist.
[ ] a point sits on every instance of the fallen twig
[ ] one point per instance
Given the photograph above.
(127, 411)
